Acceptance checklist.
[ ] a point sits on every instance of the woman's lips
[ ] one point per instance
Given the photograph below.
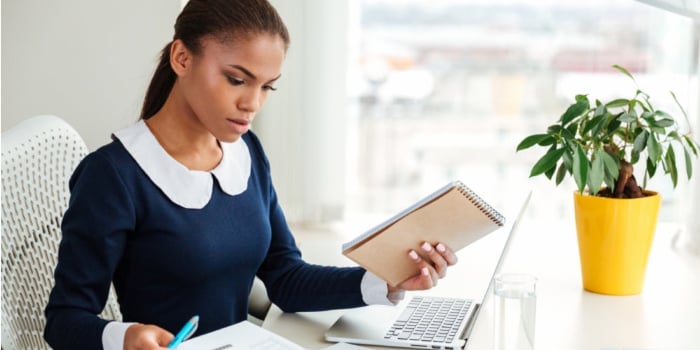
(240, 126)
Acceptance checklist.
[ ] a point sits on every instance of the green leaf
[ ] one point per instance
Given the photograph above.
(664, 123)
(627, 117)
(623, 70)
(640, 142)
(547, 141)
(580, 168)
(569, 160)
(688, 164)
(570, 131)
(675, 136)
(664, 115)
(610, 182)
(593, 123)
(646, 99)
(561, 172)
(549, 173)
(568, 135)
(531, 141)
(644, 104)
(613, 125)
(651, 168)
(654, 149)
(600, 109)
(597, 173)
(679, 105)
(554, 129)
(647, 114)
(646, 178)
(691, 144)
(548, 161)
(658, 129)
(582, 98)
(671, 165)
(611, 165)
(634, 157)
(620, 102)
(574, 110)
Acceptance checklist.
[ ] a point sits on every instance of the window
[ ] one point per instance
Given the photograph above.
(445, 90)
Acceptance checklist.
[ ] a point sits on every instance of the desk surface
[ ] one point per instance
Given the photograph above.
(666, 315)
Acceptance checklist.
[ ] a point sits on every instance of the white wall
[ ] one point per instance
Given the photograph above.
(86, 61)
(89, 62)
(303, 124)
(692, 229)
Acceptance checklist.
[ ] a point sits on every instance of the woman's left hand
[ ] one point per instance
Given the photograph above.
(431, 271)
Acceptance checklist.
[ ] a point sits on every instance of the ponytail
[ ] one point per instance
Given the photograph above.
(160, 86)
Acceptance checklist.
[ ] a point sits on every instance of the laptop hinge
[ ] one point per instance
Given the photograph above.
(470, 324)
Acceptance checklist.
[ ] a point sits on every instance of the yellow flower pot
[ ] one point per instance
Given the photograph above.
(614, 239)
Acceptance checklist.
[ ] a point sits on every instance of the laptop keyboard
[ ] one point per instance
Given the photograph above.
(430, 319)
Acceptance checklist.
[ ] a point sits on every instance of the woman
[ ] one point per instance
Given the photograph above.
(179, 210)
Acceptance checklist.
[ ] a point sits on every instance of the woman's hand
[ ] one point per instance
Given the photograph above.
(146, 337)
(440, 256)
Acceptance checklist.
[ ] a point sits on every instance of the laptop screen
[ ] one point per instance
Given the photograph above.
(499, 265)
(376, 325)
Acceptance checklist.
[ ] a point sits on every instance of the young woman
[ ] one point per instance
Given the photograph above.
(179, 210)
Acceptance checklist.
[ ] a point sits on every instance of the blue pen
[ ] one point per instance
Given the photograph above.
(184, 333)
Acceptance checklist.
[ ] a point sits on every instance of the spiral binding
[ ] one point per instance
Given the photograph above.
(485, 208)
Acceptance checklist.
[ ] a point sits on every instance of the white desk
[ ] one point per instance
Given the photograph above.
(665, 316)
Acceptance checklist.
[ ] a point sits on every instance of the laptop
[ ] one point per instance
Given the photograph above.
(424, 322)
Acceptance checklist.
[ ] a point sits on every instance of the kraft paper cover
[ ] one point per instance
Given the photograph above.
(451, 218)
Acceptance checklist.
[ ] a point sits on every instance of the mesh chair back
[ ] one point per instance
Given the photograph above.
(38, 157)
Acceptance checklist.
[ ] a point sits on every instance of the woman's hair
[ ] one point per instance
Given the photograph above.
(224, 20)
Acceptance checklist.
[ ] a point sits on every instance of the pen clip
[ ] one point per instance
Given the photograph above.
(194, 329)
(187, 331)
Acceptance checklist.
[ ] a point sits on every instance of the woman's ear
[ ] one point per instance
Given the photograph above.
(180, 57)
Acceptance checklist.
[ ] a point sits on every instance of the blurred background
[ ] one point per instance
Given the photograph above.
(381, 101)
(421, 93)
(446, 90)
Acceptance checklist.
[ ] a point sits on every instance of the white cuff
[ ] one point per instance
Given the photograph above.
(113, 335)
(376, 292)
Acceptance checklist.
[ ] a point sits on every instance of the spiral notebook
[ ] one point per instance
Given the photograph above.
(453, 215)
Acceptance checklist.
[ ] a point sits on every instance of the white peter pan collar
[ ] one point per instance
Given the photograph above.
(187, 188)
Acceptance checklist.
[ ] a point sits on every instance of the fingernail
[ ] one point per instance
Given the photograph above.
(426, 247)
(413, 255)
(425, 271)
(441, 248)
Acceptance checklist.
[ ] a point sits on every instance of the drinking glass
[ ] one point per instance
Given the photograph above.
(514, 311)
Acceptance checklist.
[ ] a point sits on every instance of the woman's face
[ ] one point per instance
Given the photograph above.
(227, 83)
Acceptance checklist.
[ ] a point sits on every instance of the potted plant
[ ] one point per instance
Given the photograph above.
(599, 144)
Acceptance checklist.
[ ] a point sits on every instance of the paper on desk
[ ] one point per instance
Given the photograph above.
(243, 335)
(344, 346)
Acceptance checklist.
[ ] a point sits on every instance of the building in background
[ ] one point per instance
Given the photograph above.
(445, 90)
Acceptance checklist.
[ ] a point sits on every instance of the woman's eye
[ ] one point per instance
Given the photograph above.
(235, 81)
(269, 88)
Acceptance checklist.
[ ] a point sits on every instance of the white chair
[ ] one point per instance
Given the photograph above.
(38, 158)
(258, 303)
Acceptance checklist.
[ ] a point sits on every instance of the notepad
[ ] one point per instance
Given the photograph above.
(453, 215)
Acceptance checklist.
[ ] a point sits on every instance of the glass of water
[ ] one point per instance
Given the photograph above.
(514, 311)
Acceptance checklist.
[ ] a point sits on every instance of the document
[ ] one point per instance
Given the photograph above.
(241, 336)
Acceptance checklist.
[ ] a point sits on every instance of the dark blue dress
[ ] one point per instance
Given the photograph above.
(168, 262)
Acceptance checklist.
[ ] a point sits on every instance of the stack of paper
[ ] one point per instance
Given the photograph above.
(243, 335)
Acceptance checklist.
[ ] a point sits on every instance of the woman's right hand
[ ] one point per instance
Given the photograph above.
(146, 337)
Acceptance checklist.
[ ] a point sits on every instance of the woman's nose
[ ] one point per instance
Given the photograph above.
(250, 102)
